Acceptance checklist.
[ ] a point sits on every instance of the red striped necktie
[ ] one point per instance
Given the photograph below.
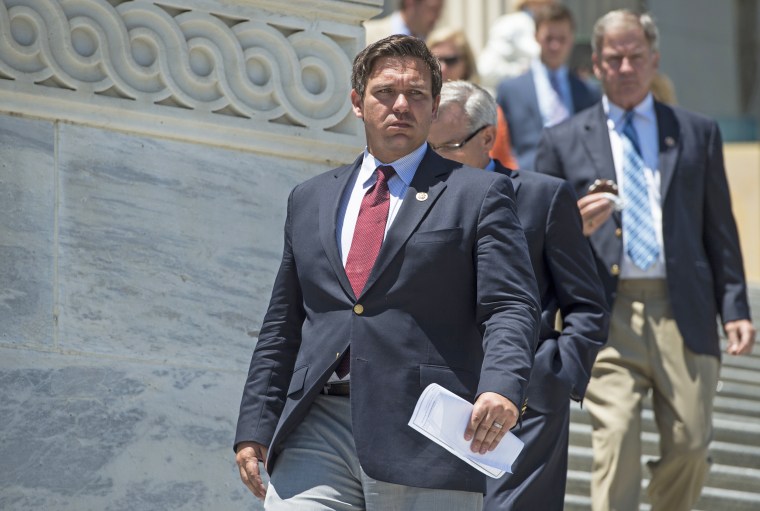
(368, 237)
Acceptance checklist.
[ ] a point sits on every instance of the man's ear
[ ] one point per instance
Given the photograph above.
(489, 138)
(596, 64)
(436, 103)
(357, 104)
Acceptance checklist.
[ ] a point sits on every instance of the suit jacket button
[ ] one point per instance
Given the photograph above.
(619, 232)
(359, 308)
(615, 270)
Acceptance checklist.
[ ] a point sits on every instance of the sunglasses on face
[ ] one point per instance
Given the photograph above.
(450, 61)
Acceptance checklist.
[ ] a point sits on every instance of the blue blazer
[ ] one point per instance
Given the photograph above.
(567, 282)
(452, 300)
(518, 100)
(703, 260)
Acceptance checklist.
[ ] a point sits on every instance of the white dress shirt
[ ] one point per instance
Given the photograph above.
(554, 107)
(351, 201)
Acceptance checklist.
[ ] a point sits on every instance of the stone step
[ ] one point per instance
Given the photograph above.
(713, 498)
(733, 483)
(739, 454)
(741, 478)
(728, 427)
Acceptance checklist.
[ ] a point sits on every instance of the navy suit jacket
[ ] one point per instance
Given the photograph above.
(451, 300)
(518, 100)
(567, 282)
(703, 261)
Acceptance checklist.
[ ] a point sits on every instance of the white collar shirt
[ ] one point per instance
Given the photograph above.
(554, 107)
(348, 212)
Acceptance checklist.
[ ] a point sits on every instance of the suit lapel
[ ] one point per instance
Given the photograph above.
(328, 214)
(427, 180)
(532, 103)
(596, 141)
(669, 143)
(576, 92)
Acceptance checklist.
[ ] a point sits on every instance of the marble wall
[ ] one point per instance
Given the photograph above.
(134, 275)
(147, 149)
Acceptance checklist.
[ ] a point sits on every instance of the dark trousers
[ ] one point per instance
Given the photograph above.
(540, 472)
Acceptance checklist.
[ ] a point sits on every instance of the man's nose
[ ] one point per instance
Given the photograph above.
(626, 65)
(401, 104)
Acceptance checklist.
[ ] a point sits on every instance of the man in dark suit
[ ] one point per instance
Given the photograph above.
(548, 93)
(567, 282)
(369, 309)
(670, 263)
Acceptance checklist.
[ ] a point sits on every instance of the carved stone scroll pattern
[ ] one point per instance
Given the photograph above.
(152, 54)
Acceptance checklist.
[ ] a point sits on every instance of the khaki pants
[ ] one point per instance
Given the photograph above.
(646, 352)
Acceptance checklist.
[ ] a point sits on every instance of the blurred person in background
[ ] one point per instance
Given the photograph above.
(511, 44)
(548, 93)
(457, 60)
(413, 17)
(663, 89)
(670, 262)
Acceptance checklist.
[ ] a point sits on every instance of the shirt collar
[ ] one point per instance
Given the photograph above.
(405, 167)
(491, 165)
(644, 110)
(561, 72)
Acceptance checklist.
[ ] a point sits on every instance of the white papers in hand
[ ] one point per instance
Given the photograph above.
(442, 416)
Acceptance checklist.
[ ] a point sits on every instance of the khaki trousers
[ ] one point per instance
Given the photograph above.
(645, 352)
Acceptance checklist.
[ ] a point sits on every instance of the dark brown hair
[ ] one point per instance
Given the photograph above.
(394, 46)
(553, 13)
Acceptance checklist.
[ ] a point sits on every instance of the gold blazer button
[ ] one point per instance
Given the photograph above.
(615, 270)
(358, 308)
(422, 196)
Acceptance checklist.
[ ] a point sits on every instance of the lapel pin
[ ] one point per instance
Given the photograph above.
(670, 141)
(422, 196)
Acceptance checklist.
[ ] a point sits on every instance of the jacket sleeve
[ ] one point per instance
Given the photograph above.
(579, 291)
(507, 296)
(273, 358)
(720, 236)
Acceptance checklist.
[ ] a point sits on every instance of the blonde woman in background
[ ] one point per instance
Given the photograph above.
(457, 60)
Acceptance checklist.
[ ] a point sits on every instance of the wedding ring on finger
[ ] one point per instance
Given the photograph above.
(497, 425)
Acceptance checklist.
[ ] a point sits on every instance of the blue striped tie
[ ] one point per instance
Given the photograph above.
(638, 224)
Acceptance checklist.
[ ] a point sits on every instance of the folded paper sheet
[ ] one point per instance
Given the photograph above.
(442, 416)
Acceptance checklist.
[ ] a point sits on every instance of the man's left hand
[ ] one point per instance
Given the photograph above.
(492, 416)
(741, 336)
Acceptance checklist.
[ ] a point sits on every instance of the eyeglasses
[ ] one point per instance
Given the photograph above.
(453, 147)
(450, 61)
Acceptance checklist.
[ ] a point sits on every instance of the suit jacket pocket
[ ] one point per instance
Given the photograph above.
(441, 236)
(548, 390)
(459, 381)
(297, 380)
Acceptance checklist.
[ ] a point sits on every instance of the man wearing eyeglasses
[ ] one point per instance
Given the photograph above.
(464, 131)
(548, 93)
